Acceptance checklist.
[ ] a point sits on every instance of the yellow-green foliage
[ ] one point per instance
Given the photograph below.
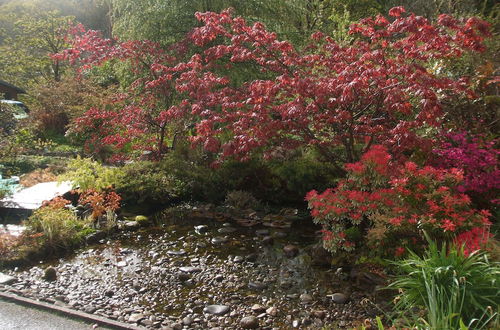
(58, 227)
(88, 174)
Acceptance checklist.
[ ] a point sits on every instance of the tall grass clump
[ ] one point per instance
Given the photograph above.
(55, 228)
(452, 290)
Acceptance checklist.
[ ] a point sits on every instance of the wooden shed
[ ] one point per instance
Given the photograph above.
(10, 91)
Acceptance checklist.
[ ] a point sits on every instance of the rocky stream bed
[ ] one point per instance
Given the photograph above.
(199, 274)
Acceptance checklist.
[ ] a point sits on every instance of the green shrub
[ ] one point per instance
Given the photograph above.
(88, 174)
(149, 182)
(451, 288)
(241, 200)
(57, 227)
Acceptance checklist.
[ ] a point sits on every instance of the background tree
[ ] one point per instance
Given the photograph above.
(26, 50)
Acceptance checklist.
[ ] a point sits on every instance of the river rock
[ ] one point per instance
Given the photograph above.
(339, 298)
(216, 309)
(273, 311)
(258, 308)
(262, 232)
(190, 269)
(268, 240)
(257, 286)
(6, 279)
(319, 314)
(226, 230)
(176, 252)
(218, 240)
(249, 322)
(187, 321)
(305, 298)
(50, 274)
(290, 251)
(201, 229)
(136, 317)
(131, 225)
(122, 263)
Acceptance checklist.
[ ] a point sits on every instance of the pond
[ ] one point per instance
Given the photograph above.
(195, 273)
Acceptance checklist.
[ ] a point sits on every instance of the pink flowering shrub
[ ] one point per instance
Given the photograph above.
(478, 158)
(393, 205)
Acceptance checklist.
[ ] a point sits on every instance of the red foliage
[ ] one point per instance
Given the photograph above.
(477, 156)
(377, 90)
(394, 208)
(100, 202)
(56, 203)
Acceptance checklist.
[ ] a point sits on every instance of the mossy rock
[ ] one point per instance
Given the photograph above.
(142, 219)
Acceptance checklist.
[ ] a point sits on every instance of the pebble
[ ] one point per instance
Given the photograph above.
(176, 252)
(305, 298)
(218, 240)
(190, 269)
(290, 251)
(257, 286)
(216, 309)
(50, 274)
(339, 298)
(273, 311)
(249, 322)
(187, 321)
(202, 229)
(226, 230)
(258, 308)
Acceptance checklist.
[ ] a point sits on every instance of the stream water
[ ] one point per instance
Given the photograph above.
(169, 276)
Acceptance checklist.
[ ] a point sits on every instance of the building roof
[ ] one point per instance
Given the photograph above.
(17, 89)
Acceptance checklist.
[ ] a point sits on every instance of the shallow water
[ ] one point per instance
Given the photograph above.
(172, 271)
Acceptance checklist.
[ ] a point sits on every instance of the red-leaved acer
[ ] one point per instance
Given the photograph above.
(379, 89)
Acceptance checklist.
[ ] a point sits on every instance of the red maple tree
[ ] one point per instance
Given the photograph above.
(379, 89)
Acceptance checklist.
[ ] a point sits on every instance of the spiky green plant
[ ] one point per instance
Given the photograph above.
(452, 289)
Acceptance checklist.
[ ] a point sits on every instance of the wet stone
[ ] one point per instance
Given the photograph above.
(121, 263)
(273, 311)
(219, 240)
(176, 252)
(257, 286)
(339, 298)
(249, 322)
(305, 298)
(136, 317)
(50, 274)
(290, 251)
(226, 230)
(268, 240)
(262, 232)
(258, 308)
(201, 229)
(238, 259)
(6, 279)
(187, 321)
(131, 225)
(190, 269)
(216, 309)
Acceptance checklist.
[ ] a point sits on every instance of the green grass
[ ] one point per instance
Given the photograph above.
(454, 291)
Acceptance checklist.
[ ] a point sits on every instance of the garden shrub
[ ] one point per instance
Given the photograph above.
(450, 287)
(477, 156)
(150, 183)
(392, 205)
(86, 174)
(57, 227)
(241, 200)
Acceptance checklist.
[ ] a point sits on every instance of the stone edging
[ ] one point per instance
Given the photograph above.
(67, 312)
